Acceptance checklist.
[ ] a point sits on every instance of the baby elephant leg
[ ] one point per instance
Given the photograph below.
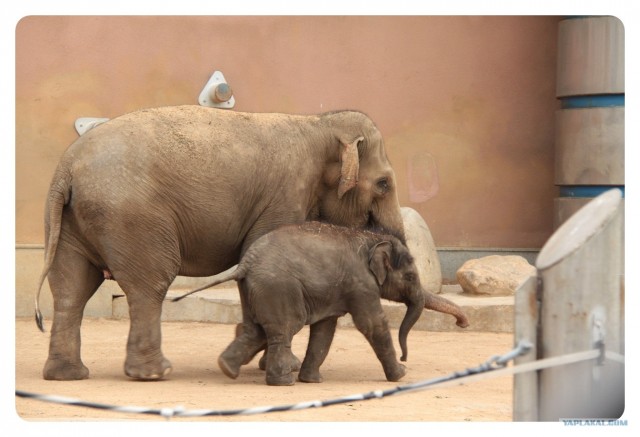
(239, 330)
(262, 363)
(372, 323)
(279, 369)
(295, 361)
(320, 338)
(244, 347)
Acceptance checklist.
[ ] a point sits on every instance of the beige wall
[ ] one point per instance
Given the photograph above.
(466, 104)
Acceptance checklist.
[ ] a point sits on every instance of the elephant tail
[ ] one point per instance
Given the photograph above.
(235, 274)
(59, 195)
(440, 304)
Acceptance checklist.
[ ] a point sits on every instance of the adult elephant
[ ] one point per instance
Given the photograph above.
(185, 190)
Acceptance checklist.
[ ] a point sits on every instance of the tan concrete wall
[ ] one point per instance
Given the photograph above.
(466, 104)
(29, 261)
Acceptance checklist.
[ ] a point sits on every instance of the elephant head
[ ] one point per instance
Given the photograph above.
(399, 281)
(396, 274)
(359, 185)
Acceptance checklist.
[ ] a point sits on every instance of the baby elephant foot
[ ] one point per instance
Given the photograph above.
(229, 367)
(233, 357)
(61, 370)
(395, 373)
(309, 376)
(286, 379)
(294, 362)
(148, 371)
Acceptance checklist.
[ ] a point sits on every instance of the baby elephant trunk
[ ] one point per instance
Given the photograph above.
(442, 305)
(415, 305)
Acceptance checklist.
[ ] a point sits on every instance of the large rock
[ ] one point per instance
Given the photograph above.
(423, 250)
(494, 275)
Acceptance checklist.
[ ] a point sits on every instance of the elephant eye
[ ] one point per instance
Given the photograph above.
(383, 185)
(409, 277)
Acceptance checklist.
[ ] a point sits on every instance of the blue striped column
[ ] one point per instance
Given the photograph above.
(589, 143)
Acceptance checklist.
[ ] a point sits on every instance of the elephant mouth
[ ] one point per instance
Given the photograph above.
(371, 222)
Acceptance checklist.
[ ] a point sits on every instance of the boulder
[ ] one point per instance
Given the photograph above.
(423, 250)
(494, 275)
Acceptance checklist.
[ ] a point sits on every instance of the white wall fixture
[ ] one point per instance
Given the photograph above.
(217, 93)
(83, 124)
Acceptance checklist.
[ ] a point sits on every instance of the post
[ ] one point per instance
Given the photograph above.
(589, 142)
(525, 385)
(582, 304)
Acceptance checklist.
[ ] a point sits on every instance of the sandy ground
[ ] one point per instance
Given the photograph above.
(197, 383)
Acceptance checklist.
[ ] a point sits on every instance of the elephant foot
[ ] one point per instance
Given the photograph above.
(148, 371)
(312, 376)
(228, 367)
(59, 370)
(280, 379)
(294, 362)
(395, 373)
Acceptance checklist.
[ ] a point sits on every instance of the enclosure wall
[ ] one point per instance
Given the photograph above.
(466, 104)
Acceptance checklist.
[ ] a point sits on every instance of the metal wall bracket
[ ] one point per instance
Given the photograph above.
(217, 93)
(83, 124)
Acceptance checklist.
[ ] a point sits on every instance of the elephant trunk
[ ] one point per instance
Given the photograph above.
(388, 220)
(415, 304)
(440, 304)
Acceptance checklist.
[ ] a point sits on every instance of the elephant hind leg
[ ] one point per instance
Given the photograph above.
(262, 363)
(145, 277)
(249, 341)
(281, 361)
(294, 361)
(279, 364)
(73, 280)
(145, 360)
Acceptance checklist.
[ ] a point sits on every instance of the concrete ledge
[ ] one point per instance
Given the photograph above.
(218, 305)
(222, 305)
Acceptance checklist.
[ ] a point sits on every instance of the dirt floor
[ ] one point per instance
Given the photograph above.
(197, 383)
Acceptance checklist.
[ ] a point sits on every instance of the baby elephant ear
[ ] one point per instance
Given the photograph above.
(379, 261)
(350, 166)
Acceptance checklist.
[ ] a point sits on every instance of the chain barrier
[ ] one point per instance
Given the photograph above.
(494, 366)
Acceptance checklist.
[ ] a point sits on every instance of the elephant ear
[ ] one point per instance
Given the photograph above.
(379, 261)
(350, 166)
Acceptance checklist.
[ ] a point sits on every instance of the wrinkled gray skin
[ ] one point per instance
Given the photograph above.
(311, 274)
(185, 190)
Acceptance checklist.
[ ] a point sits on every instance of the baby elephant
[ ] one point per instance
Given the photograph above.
(312, 274)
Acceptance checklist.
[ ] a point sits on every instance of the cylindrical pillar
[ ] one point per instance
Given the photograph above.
(590, 126)
(582, 305)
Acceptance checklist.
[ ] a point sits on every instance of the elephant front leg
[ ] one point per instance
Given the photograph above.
(145, 360)
(320, 338)
(374, 326)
